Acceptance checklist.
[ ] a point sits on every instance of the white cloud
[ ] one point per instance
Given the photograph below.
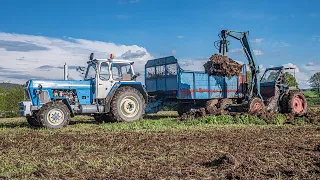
(258, 40)
(313, 67)
(258, 52)
(238, 50)
(315, 38)
(290, 65)
(173, 52)
(20, 63)
(180, 37)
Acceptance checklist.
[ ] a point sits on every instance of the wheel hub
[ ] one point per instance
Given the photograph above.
(298, 105)
(129, 106)
(55, 116)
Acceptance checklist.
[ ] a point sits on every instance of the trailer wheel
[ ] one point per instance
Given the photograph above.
(127, 105)
(297, 103)
(256, 105)
(33, 121)
(183, 108)
(224, 103)
(100, 118)
(211, 106)
(54, 115)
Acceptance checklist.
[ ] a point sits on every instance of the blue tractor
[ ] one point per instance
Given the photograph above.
(109, 92)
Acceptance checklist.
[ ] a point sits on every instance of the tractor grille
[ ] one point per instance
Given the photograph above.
(44, 97)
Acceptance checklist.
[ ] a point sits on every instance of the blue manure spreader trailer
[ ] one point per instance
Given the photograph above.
(168, 83)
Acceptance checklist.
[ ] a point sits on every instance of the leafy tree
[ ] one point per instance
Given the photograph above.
(291, 80)
(315, 82)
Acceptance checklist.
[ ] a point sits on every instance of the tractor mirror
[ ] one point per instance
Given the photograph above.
(91, 56)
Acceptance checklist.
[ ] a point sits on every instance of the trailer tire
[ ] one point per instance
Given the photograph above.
(183, 108)
(127, 105)
(211, 106)
(33, 121)
(100, 118)
(54, 115)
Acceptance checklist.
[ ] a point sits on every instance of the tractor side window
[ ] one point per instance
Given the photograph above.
(116, 73)
(104, 71)
(91, 73)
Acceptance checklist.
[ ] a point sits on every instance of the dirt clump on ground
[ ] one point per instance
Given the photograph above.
(313, 116)
(219, 65)
(235, 152)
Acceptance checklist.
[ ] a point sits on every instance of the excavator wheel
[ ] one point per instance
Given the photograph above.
(295, 103)
(256, 105)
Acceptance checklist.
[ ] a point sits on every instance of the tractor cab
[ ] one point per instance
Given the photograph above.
(273, 81)
(104, 73)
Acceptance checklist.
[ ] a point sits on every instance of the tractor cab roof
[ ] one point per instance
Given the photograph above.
(114, 61)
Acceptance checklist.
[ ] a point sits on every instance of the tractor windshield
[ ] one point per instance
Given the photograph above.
(122, 72)
(270, 76)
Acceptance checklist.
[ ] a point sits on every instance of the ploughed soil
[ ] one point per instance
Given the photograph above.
(222, 152)
(219, 65)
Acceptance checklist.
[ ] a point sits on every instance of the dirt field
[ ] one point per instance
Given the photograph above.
(144, 150)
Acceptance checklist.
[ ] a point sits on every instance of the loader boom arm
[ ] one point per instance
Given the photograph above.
(243, 38)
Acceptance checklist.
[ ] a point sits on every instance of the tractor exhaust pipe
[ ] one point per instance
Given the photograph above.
(66, 73)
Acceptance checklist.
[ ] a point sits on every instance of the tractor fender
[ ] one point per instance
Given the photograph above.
(136, 85)
(67, 103)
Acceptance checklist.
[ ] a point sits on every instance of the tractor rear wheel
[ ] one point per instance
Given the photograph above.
(296, 103)
(127, 105)
(54, 115)
(256, 105)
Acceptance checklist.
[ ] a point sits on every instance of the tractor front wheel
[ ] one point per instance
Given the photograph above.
(54, 115)
(127, 105)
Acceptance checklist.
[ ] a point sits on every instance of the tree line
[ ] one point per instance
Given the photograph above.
(9, 99)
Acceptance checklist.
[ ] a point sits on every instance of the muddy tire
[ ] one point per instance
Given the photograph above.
(211, 106)
(54, 115)
(256, 105)
(127, 105)
(33, 121)
(224, 103)
(295, 103)
(183, 108)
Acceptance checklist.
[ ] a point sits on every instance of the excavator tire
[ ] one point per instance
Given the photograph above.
(295, 103)
(127, 105)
